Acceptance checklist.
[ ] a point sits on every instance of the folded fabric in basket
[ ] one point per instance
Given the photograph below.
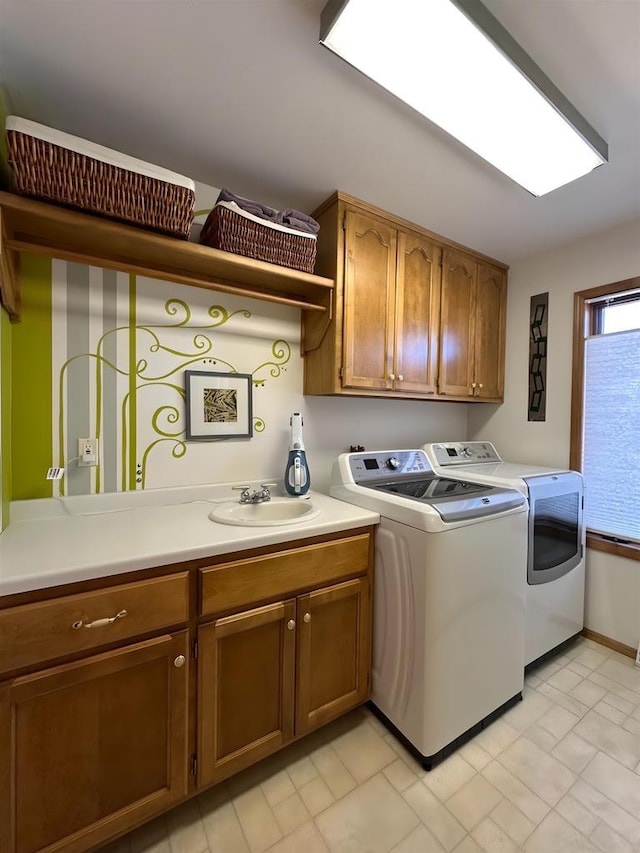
(288, 216)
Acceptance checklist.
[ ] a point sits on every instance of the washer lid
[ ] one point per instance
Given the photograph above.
(453, 500)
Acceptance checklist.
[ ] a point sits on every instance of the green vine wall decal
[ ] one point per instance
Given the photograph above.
(281, 352)
(218, 314)
(166, 421)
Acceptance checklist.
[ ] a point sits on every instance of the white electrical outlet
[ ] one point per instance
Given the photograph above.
(87, 452)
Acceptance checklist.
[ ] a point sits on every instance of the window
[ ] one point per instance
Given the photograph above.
(605, 413)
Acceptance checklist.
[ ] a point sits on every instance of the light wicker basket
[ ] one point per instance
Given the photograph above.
(44, 170)
(231, 231)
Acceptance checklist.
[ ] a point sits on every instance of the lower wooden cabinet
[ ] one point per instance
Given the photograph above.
(273, 673)
(245, 696)
(91, 748)
(333, 652)
(104, 722)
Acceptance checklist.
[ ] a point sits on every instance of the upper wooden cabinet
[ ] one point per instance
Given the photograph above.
(472, 331)
(391, 297)
(387, 335)
(369, 287)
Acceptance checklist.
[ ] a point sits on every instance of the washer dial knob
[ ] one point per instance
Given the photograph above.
(393, 462)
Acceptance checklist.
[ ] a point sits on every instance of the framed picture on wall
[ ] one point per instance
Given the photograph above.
(218, 405)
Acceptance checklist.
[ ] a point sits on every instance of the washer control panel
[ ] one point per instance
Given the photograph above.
(388, 463)
(463, 452)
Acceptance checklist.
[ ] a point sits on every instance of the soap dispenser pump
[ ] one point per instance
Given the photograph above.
(296, 475)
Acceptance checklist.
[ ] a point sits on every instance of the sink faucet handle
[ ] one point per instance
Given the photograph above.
(245, 494)
(266, 490)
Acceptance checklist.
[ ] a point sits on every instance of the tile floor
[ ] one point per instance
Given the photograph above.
(560, 772)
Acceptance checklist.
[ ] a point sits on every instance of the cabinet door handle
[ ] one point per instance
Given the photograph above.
(480, 385)
(291, 624)
(392, 376)
(179, 661)
(473, 384)
(306, 618)
(400, 377)
(99, 623)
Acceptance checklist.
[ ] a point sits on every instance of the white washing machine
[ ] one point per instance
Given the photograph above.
(449, 589)
(555, 540)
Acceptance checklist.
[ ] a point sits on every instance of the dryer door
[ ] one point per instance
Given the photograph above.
(556, 526)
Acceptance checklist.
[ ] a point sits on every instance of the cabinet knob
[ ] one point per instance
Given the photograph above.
(179, 661)
(473, 384)
(400, 377)
(392, 376)
(291, 624)
(306, 618)
(480, 385)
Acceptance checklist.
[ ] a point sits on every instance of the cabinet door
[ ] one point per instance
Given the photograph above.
(417, 313)
(334, 652)
(92, 748)
(370, 265)
(491, 306)
(459, 274)
(245, 689)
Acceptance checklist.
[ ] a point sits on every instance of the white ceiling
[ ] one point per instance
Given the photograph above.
(238, 93)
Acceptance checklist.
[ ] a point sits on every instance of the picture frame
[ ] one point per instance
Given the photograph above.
(218, 405)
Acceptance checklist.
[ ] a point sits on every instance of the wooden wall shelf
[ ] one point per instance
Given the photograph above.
(46, 229)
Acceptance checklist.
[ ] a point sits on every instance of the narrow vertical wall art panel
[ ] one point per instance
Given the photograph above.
(538, 357)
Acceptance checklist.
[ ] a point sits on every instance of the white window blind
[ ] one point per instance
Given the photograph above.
(611, 448)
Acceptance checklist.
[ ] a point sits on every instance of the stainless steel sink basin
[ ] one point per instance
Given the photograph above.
(268, 514)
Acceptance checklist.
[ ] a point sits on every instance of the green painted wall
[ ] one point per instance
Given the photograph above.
(31, 431)
(5, 413)
(5, 347)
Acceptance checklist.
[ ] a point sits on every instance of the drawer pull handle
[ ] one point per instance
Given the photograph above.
(99, 623)
(306, 618)
(179, 661)
(291, 624)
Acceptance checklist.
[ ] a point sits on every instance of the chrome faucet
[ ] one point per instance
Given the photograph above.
(258, 496)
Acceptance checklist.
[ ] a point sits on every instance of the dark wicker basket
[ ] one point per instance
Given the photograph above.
(53, 173)
(225, 229)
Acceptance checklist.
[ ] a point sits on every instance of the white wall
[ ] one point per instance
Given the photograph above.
(333, 424)
(613, 583)
(121, 347)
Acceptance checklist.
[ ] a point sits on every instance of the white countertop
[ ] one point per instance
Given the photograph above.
(63, 540)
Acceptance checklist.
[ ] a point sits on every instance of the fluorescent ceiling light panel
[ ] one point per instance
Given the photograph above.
(476, 84)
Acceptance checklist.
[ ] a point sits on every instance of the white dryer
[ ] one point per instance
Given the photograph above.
(448, 597)
(555, 540)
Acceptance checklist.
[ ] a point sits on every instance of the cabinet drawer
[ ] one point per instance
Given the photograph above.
(34, 633)
(242, 582)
